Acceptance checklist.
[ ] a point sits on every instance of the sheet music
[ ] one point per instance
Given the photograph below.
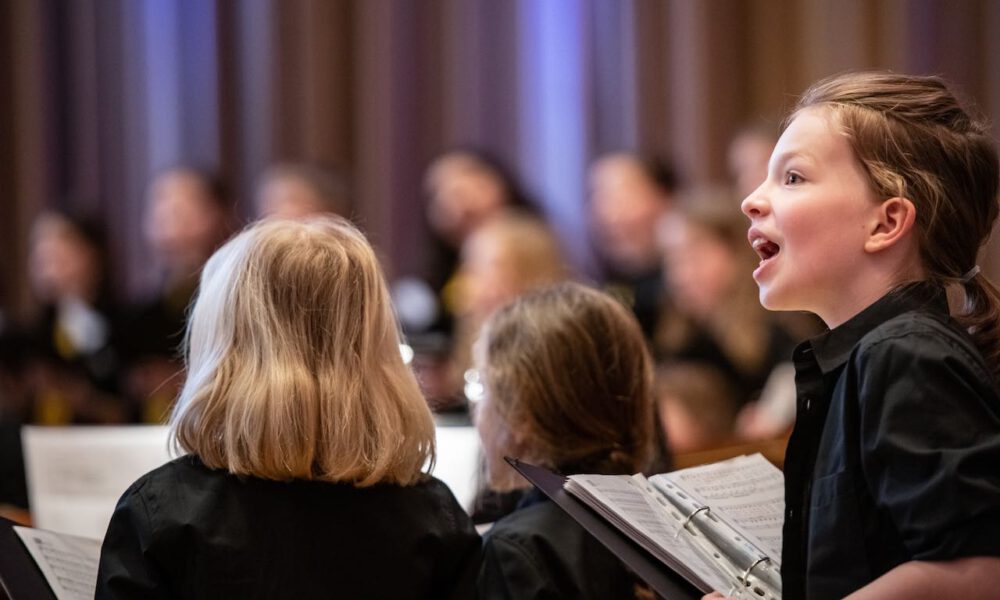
(77, 474)
(748, 491)
(69, 563)
(457, 465)
(625, 501)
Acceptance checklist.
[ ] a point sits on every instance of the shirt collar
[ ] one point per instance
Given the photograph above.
(834, 347)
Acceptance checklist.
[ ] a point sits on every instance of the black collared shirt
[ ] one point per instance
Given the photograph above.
(895, 454)
(184, 531)
(539, 552)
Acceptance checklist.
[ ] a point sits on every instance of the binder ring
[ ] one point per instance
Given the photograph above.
(692, 515)
(746, 574)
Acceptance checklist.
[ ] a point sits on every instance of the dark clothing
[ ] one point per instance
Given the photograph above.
(97, 366)
(538, 551)
(895, 450)
(155, 328)
(642, 293)
(187, 531)
(702, 349)
(13, 485)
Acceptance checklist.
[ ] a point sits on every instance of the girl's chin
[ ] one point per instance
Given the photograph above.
(771, 299)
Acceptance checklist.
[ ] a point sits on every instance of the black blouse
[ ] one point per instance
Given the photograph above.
(539, 552)
(187, 531)
(895, 451)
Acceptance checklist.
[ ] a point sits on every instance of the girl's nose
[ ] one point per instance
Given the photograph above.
(755, 205)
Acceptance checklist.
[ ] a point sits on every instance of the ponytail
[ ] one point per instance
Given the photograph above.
(981, 316)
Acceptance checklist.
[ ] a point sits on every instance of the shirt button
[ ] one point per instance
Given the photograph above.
(807, 403)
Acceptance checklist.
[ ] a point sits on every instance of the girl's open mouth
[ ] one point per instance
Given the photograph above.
(765, 248)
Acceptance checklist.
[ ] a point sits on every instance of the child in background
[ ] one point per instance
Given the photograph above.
(299, 191)
(567, 382)
(188, 215)
(629, 194)
(306, 435)
(74, 365)
(880, 193)
(714, 318)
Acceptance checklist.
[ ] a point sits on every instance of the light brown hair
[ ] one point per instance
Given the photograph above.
(741, 326)
(567, 368)
(294, 367)
(916, 141)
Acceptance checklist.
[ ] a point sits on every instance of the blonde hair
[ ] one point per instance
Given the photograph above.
(529, 246)
(567, 367)
(915, 141)
(294, 368)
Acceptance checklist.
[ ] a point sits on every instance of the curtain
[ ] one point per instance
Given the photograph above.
(97, 95)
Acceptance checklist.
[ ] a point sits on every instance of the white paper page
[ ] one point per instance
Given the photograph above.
(627, 500)
(69, 563)
(457, 463)
(748, 491)
(77, 474)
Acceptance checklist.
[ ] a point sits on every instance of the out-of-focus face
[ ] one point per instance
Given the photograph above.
(489, 275)
(624, 209)
(748, 157)
(63, 265)
(810, 220)
(286, 197)
(463, 196)
(183, 225)
(700, 268)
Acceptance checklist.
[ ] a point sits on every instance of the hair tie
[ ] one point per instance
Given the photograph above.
(970, 274)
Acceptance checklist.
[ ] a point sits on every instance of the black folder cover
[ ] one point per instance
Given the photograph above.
(20, 577)
(658, 575)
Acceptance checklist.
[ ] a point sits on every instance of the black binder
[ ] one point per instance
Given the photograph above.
(20, 577)
(658, 575)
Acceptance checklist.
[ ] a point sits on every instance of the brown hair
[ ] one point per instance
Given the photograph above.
(915, 141)
(741, 326)
(294, 368)
(566, 366)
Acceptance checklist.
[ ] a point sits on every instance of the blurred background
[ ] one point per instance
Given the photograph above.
(98, 95)
(135, 135)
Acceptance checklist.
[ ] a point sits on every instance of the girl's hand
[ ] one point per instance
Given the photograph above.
(713, 596)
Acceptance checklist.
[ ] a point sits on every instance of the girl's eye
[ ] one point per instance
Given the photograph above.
(792, 178)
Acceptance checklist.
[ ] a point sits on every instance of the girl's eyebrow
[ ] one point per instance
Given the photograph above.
(784, 157)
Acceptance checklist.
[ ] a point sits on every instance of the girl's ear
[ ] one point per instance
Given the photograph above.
(892, 221)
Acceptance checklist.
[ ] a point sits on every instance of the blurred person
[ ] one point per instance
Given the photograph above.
(504, 258)
(188, 215)
(59, 367)
(465, 188)
(72, 364)
(714, 318)
(629, 194)
(300, 190)
(567, 380)
(306, 439)
(748, 155)
(694, 407)
(511, 255)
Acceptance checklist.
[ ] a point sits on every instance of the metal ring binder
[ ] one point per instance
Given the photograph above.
(693, 514)
(746, 573)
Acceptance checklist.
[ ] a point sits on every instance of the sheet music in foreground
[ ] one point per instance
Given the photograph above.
(748, 490)
(624, 501)
(68, 562)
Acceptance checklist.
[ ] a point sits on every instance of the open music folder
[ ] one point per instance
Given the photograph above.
(40, 565)
(686, 533)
